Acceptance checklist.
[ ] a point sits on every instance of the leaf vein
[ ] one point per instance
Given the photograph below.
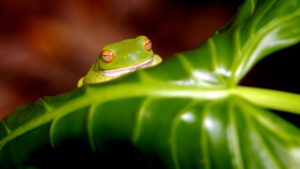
(204, 142)
(235, 138)
(262, 14)
(272, 158)
(140, 118)
(173, 136)
(186, 64)
(7, 129)
(89, 127)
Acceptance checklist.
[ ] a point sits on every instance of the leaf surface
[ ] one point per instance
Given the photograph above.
(182, 112)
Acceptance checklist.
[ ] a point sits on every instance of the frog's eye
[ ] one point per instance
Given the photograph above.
(107, 56)
(147, 44)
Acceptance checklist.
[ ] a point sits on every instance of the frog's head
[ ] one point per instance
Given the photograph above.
(121, 58)
(126, 54)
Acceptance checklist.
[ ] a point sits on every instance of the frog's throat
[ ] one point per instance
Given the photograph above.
(121, 71)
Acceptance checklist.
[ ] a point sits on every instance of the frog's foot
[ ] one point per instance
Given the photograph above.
(157, 60)
(80, 82)
(121, 71)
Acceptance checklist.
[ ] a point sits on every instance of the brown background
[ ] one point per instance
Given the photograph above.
(46, 46)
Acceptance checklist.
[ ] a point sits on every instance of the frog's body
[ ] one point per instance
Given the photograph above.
(121, 58)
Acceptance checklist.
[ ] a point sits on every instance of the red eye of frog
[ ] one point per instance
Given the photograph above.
(107, 56)
(147, 44)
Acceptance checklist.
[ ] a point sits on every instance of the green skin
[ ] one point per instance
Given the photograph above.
(129, 56)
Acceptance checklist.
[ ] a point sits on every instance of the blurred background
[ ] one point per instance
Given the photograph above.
(46, 46)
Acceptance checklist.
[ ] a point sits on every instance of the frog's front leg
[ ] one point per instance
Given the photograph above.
(93, 77)
(80, 82)
(157, 59)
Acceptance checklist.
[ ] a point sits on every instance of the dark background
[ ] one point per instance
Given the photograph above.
(46, 46)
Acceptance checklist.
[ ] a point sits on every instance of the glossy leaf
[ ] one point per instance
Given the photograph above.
(188, 112)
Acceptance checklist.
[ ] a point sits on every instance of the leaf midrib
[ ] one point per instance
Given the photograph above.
(92, 97)
(92, 93)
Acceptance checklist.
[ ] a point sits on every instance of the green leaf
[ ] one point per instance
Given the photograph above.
(189, 112)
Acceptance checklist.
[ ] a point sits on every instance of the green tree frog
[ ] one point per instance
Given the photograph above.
(121, 58)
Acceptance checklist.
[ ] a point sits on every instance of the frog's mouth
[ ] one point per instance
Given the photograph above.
(124, 70)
